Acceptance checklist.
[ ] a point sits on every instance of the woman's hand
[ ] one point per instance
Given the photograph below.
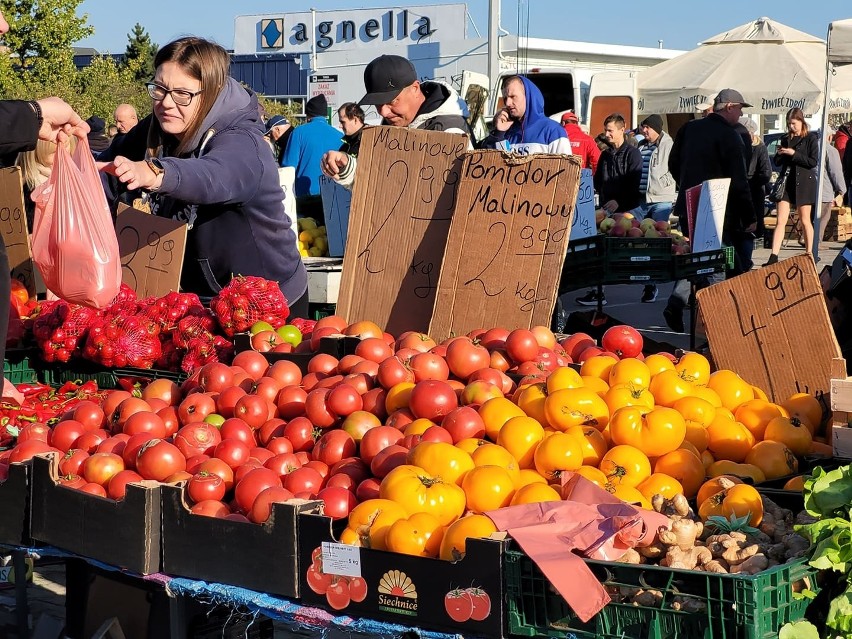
(59, 121)
(136, 175)
(786, 151)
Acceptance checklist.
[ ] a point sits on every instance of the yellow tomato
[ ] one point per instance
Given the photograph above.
(805, 407)
(630, 371)
(470, 444)
(683, 466)
(576, 407)
(726, 468)
(529, 476)
(557, 453)
(729, 439)
(419, 535)
(667, 387)
(631, 495)
(713, 487)
(658, 363)
(442, 460)
(398, 396)
(418, 426)
(562, 378)
(655, 432)
(369, 522)
(625, 465)
(419, 492)
(535, 493)
(496, 412)
(594, 475)
(755, 414)
(733, 390)
(628, 395)
(488, 488)
(454, 543)
(742, 500)
(520, 436)
(530, 399)
(596, 384)
(660, 484)
(707, 459)
(592, 443)
(496, 455)
(695, 409)
(790, 431)
(708, 395)
(774, 459)
(694, 368)
(598, 366)
(796, 483)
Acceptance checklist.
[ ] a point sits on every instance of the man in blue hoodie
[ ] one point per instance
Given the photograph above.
(521, 125)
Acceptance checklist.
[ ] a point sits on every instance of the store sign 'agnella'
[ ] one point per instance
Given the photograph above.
(341, 30)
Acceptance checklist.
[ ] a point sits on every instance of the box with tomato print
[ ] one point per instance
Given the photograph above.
(258, 556)
(465, 596)
(123, 533)
(14, 504)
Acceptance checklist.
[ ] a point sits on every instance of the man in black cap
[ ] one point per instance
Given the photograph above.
(706, 149)
(304, 151)
(98, 141)
(278, 130)
(402, 100)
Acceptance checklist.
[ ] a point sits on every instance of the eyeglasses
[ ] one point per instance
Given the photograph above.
(181, 97)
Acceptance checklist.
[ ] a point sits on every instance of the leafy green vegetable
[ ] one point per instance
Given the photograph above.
(798, 630)
(826, 493)
(840, 613)
(831, 543)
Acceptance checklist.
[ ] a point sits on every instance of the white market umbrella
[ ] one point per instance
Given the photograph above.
(774, 66)
(841, 90)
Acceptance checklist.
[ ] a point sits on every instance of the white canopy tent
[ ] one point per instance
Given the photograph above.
(774, 66)
(838, 51)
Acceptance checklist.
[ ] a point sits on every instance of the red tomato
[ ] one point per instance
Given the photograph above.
(338, 502)
(71, 461)
(252, 409)
(117, 486)
(352, 467)
(388, 459)
(432, 399)
(261, 509)
(377, 439)
(211, 508)
(303, 480)
(215, 377)
(252, 484)
(71, 481)
(195, 408)
(464, 423)
(429, 366)
(145, 422)
(320, 467)
(373, 349)
(89, 414)
(227, 400)
(197, 438)
(393, 371)
(357, 589)
(343, 400)
(131, 449)
(90, 440)
(280, 445)
(287, 373)
(111, 402)
(65, 433)
(218, 467)
(283, 464)
(271, 428)
(268, 388)
(464, 357)
(236, 428)
(114, 444)
(374, 402)
(245, 469)
(101, 467)
(41, 432)
(170, 419)
(125, 409)
(253, 363)
(94, 489)
(193, 464)
(521, 345)
(337, 594)
(301, 433)
(316, 408)
(368, 489)
(261, 454)
(333, 446)
(162, 389)
(157, 459)
(624, 341)
(291, 401)
(204, 485)
(233, 452)
(459, 605)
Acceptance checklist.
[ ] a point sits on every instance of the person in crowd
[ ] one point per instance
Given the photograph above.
(125, 117)
(841, 137)
(582, 144)
(657, 186)
(201, 157)
(617, 184)
(401, 100)
(521, 125)
(351, 119)
(706, 149)
(98, 141)
(798, 153)
(22, 125)
(278, 130)
(841, 141)
(112, 131)
(602, 144)
(833, 187)
(36, 166)
(304, 151)
(759, 174)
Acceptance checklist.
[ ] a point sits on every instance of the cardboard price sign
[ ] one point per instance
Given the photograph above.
(13, 227)
(584, 225)
(771, 327)
(507, 242)
(151, 250)
(403, 201)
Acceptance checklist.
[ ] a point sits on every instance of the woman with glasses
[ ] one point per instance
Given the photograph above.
(201, 158)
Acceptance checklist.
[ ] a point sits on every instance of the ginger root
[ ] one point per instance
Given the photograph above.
(688, 604)
(686, 559)
(648, 598)
(737, 554)
(683, 534)
(632, 556)
(752, 565)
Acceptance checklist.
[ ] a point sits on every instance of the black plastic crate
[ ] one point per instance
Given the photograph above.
(650, 271)
(703, 263)
(638, 249)
(19, 365)
(584, 263)
(106, 378)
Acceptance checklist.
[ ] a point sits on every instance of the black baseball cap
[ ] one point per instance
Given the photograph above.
(730, 96)
(385, 77)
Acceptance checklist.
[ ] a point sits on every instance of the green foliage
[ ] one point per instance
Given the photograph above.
(798, 630)
(140, 53)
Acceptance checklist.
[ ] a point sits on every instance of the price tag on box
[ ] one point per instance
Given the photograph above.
(341, 559)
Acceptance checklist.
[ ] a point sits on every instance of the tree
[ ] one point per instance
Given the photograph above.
(141, 50)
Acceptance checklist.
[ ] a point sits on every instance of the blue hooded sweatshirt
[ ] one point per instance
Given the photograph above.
(535, 133)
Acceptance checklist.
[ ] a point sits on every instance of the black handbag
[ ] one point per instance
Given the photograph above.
(776, 193)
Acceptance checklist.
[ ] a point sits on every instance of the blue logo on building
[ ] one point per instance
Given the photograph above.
(272, 33)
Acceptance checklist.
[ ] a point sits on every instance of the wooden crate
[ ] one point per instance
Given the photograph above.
(841, 409)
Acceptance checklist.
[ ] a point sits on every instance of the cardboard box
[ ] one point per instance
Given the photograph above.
(404, 589)
(15, 506)
(841, 409)
(338, 346)
(261, 557)
(122, 533)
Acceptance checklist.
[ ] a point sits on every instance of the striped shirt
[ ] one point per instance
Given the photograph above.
(646, 150)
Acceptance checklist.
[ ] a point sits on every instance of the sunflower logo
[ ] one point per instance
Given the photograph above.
(397, 583)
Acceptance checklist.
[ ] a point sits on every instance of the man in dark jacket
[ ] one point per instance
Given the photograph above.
(707, 149)
(98, 141)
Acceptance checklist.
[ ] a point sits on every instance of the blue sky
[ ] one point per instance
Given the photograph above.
(681, 25)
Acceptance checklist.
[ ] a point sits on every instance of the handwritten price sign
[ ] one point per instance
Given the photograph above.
(152, 251)
(507, 242)
(401, 208)
(771, 326)
(13, 227)
(583, 225)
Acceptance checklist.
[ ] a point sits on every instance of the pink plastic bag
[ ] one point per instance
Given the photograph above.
(74, 242)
